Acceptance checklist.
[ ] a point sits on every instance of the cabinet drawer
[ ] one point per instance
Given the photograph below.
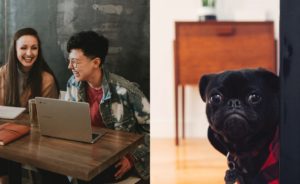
(219, 29)
(210, 47)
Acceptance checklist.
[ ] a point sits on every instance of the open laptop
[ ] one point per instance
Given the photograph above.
(66, 120)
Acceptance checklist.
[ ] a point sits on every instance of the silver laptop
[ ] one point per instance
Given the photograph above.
(66, 120)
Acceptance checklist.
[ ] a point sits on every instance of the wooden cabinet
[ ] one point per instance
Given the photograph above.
(209, 47)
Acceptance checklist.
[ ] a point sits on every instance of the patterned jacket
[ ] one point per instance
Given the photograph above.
(122, 107)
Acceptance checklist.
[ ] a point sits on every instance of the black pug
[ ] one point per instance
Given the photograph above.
(242, 108)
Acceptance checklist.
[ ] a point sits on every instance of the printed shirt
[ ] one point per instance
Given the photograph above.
(122, 107)
(94, 97)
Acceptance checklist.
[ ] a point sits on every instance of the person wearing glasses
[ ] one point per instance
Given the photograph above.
(114, 102)
(25, 75)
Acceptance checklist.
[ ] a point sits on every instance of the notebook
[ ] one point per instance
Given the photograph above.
(12, 131)
(7, 112)
(65, 119)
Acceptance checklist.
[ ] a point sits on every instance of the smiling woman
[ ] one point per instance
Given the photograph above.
(27, 51)
(26, 74)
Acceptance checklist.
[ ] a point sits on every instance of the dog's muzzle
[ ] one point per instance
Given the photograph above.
(235, 126)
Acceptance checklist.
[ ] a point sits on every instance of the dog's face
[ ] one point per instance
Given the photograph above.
(241, 105)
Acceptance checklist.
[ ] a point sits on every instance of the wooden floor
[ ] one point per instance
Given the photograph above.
(194, 161)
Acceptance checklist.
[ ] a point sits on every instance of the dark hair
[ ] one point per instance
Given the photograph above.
(34, 80)
(91, 44)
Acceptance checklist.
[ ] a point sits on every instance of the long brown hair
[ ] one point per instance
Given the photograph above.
(34, 80)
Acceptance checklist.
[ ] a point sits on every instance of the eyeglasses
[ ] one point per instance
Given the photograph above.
(74, 62)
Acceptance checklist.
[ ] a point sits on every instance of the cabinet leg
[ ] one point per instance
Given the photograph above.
(183, 110)
(176, 116)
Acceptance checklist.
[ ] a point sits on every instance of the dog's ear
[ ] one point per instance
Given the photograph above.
(271, 79)
(203, 85)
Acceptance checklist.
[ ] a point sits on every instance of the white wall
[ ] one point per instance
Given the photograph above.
(163, 14)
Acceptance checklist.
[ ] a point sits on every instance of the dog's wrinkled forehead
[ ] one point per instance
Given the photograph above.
(235, 80)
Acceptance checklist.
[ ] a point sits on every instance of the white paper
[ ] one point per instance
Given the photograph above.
(7, 112)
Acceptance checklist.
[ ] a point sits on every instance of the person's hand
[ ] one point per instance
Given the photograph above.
(124, 166)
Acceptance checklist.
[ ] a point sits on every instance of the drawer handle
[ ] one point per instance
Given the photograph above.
(225, 31)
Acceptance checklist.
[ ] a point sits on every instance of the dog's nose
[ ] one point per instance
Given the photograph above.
(234, 103)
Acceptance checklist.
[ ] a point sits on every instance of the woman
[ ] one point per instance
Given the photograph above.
(24, 76)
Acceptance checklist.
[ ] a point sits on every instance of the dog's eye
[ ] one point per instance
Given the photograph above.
(216, 99)
(254, 98)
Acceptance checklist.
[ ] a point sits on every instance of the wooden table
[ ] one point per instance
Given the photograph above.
(79, 160)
